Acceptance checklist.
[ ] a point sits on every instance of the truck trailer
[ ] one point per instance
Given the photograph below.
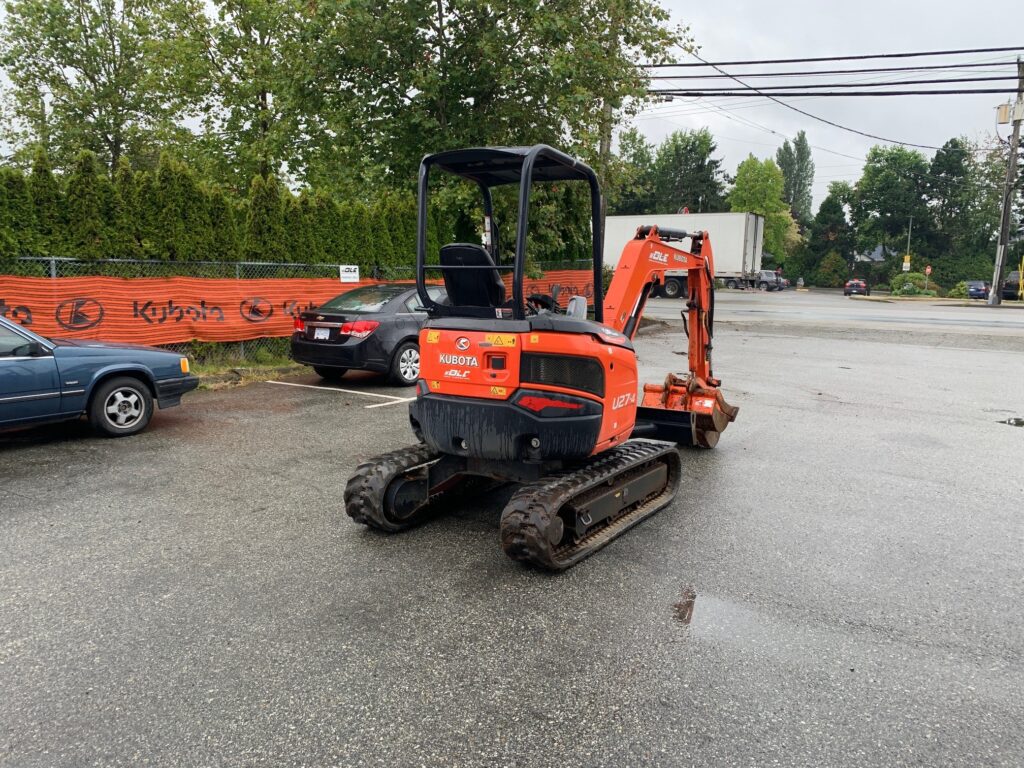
(738, 239)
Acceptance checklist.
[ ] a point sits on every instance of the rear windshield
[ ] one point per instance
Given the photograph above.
(372, 298)
(976, 284)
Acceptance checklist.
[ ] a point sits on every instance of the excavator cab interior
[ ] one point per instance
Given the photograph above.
(472, 272)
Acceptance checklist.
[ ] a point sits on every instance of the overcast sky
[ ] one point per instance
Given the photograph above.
(752, 29)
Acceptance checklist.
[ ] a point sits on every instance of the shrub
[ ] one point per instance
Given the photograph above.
(833, 271)
(958, 291)
(918, 279)
(881, 287)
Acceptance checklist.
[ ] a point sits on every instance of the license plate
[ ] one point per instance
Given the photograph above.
(321, 334)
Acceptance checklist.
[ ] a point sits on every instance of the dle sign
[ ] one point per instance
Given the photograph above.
(349, 273)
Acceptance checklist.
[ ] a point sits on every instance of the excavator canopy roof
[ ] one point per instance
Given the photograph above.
(494, 166)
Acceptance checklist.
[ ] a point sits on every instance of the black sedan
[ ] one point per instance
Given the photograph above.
(374, 328)
(977, 289)
(1011, 288)
(856, 286)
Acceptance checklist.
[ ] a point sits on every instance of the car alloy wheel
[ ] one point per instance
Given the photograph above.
(409, 364)
(120, 407)
(124, 407)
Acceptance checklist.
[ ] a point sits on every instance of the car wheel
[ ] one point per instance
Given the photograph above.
(762, 286)
(331, 374)
(732, 284)
(671, 289)
(405, 364)
(121, 407)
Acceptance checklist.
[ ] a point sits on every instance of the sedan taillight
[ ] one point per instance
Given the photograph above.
(360, 328)
(300, 325)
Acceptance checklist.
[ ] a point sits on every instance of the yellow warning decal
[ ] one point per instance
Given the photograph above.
(433, 337)
(501, 339)
(499, 391)
(435, 385)
(534, 338)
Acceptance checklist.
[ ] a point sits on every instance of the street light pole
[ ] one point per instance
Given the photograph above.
(995, 294)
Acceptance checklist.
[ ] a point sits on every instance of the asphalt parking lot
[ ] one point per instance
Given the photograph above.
(839, 583)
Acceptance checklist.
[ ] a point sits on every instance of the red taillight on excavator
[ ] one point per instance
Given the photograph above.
(360, 328)
(300, 325)
(537, 403)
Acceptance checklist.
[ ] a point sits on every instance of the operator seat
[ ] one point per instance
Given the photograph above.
(471, 287)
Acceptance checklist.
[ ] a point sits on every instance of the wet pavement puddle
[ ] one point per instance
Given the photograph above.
(683, 608)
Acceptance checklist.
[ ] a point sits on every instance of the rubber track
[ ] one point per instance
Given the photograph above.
(364, 492)
(530, 511)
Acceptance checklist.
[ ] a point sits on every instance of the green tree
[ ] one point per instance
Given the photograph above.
(891, 191)
(87, 190)
(264, 236)
(105, 76)
(8, 241)
(402, 79)
(182, 229)
(686, 174)
(630, 187)
(47, 204)
(223, 228)
(963, 187)
(21, 214)
(830, 232)
(758, 189)
(123, 217)
(255, 61)
(797, 166)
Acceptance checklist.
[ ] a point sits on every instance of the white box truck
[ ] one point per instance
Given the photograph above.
(736, 241)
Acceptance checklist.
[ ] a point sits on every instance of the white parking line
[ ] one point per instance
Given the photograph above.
(393, 402)
(391, 398)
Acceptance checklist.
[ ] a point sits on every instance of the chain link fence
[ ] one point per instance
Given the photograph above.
(261, 351)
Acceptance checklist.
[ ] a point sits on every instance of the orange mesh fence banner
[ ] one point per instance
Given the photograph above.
(176, 309)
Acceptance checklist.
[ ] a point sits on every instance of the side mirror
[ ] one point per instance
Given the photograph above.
(35, 349)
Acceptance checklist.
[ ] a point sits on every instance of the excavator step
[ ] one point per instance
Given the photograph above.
(560, 520)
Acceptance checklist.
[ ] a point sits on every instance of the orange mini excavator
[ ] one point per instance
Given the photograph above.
(519, 390)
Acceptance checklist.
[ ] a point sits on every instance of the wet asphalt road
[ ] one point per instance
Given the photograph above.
(195, 595)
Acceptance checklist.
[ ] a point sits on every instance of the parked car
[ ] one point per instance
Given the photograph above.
(977, 289)
(767, 280)
(374, 328)
(115, 385)
(857, 286)
(1011, 286)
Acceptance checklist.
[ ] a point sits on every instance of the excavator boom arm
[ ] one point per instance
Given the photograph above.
(642, 267)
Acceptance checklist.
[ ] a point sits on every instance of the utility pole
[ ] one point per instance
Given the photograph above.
(995, 295)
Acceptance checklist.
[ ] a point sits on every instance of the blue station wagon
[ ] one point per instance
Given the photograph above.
(115, 385)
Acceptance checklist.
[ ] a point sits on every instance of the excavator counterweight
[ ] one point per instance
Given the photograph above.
(518, 390)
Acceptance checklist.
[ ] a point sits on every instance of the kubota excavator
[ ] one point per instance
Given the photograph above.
(516, 390)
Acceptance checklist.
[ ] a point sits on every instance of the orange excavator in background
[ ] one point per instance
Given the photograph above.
(518, 390)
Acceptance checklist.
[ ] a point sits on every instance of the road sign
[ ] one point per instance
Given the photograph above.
(928, 269)
(906, 265)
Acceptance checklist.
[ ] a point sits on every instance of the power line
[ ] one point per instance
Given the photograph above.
(870, 70)
(838, 58)
(932, 81)
(812, 116)
(801, 94)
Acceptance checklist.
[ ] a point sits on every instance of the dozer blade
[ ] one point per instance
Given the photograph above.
(700, 422)
(562, 519)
